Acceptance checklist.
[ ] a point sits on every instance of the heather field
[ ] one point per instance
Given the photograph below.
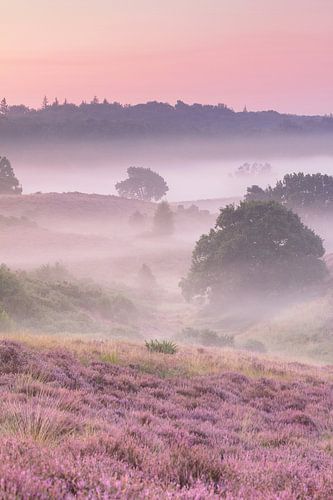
(113, 420)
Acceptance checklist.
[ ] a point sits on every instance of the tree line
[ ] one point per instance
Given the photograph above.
(101, 118)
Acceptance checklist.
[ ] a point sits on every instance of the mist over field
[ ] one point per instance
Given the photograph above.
(166, 250)
(75, 218)
(95, 167)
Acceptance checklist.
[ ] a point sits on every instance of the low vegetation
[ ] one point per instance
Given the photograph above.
(52, 300)
(162, 346)
(205, 337)
(126, 423)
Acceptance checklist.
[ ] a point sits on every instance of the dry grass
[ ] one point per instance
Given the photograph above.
(39, 419)
(189, 361)
(39, 412)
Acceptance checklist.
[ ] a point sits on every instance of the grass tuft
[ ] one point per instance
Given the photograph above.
(161, 346)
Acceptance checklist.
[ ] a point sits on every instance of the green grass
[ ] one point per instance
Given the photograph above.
(161, 346)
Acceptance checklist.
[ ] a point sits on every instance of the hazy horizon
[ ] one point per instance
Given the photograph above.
(221, 181)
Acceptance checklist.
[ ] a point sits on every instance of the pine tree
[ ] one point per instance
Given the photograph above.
(3, 107)
(45, 103)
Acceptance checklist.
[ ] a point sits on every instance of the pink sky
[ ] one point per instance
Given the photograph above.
(267, 54)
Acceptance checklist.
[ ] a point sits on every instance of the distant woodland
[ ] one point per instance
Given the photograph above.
(102, 119)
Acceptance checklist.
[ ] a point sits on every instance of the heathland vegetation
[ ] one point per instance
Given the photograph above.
(49, 299)
(114, 420)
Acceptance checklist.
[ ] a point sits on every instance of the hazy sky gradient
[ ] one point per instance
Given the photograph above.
(267, 54)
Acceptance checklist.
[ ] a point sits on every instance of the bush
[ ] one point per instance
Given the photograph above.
(45, 300)
(254, 346)
(163, 219)
(162, 346)
(206, 337)
(53, 273)
(6, 323)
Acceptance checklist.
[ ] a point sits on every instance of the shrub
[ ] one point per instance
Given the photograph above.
(53, 273)
(6, 323)
(206, 337)
(162, 346)
(211, 338)
(50, 299)
(122, 308)
(163, 219)
(254, 346)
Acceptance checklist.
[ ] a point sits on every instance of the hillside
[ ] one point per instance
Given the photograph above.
(103, 254)
(72, 207)
(124, 423)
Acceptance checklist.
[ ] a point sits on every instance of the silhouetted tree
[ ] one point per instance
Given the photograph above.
(256, 246)
(256, 193)
(247, 169)
(45, 102)
(3, 107)
(156, 119)
(300, 192)
(142, 184)
(163, 219)
(9, 184)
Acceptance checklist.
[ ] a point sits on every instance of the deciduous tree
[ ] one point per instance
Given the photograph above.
(256, 246)
(142, 184)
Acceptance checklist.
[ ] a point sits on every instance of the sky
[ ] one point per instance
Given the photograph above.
(265, 54)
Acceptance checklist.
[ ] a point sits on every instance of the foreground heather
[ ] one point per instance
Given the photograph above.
(83, 422)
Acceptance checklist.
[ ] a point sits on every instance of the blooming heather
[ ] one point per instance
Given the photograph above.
(74, 428)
